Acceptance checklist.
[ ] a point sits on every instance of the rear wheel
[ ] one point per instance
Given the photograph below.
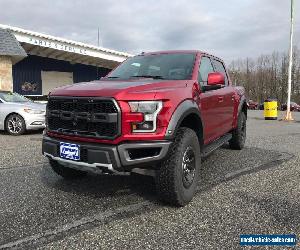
(239, 133)
(178, 175)
(65, 172)
(15, 124)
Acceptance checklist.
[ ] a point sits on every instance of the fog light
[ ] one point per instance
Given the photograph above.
(144, 126)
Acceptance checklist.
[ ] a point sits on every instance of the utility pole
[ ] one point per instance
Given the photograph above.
(98, 42)
(288, 116)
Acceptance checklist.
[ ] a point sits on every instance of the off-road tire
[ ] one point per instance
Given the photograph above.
(20, 125)
(65, 172)
(239, 133)
(170, 176)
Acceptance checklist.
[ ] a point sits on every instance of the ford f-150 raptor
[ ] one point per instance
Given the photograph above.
(156, 113)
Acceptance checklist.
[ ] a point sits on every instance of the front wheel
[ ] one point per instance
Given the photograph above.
(15, 125)
(239, 133)
(178, 175)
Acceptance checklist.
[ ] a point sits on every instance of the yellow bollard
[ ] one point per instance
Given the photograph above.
(270, 109)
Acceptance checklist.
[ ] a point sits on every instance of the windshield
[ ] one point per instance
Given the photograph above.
(160, 66)
(13, 97)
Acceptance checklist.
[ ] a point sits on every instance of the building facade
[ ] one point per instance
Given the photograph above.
(33, 64)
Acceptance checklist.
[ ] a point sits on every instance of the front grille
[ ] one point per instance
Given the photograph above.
(92, 117)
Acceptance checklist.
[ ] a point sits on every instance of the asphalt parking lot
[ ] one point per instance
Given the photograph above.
(255, 190)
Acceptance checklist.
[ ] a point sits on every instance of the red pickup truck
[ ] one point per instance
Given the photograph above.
(156, 113)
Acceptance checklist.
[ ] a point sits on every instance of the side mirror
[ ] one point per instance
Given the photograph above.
(215, 78)
(214, 81)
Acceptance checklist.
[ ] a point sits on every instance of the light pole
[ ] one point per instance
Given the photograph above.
(288, 116)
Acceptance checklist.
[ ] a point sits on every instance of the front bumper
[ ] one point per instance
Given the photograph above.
(110, 158)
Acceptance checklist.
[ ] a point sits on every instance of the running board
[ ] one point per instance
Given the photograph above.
(215, 144)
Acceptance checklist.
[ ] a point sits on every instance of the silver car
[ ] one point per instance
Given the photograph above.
(18, 114)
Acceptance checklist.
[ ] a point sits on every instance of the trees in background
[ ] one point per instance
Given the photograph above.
(267, 76)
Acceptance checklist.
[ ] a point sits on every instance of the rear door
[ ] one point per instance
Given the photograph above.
(227, 106)
(209, 103)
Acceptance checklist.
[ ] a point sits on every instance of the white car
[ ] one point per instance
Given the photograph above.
(18, 113)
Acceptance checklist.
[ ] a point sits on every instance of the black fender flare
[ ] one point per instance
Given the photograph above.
(184, 109)
(241, 104)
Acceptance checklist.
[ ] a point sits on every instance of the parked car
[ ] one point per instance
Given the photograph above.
(18, 113)
(252, 104)
(293, 106)
(156, 113)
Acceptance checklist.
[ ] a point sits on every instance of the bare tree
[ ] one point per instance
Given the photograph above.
(266, 76)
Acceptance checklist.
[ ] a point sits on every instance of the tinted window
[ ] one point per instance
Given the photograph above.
(204, 69)
(165, 66)
(220, 68)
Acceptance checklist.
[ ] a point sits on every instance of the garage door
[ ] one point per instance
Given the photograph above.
(54, 79)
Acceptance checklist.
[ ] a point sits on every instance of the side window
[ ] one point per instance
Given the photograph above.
(204, 69)
(220, 68)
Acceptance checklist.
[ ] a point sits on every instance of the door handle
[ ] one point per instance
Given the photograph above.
(220, 98)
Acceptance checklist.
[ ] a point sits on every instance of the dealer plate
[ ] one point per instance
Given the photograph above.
(69, 151)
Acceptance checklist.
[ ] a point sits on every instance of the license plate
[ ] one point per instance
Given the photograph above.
(69, 151)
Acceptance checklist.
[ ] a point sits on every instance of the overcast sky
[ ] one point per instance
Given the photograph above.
(230, 29)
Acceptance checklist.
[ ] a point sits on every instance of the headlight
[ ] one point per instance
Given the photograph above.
(34, 111)
(150, 110)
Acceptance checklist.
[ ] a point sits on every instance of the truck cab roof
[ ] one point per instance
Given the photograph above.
(181, 51)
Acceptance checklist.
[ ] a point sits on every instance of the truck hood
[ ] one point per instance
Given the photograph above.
(119, 89)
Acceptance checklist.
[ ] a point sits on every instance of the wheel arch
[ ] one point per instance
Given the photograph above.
(12, 113)
(187, 114)
(243, 106)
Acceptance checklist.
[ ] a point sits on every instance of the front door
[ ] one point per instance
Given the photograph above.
(210, 103)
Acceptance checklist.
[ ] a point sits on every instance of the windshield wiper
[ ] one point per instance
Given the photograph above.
(148, 76)
(113, 77)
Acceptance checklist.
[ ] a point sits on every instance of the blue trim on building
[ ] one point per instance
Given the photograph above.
(27, 73)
